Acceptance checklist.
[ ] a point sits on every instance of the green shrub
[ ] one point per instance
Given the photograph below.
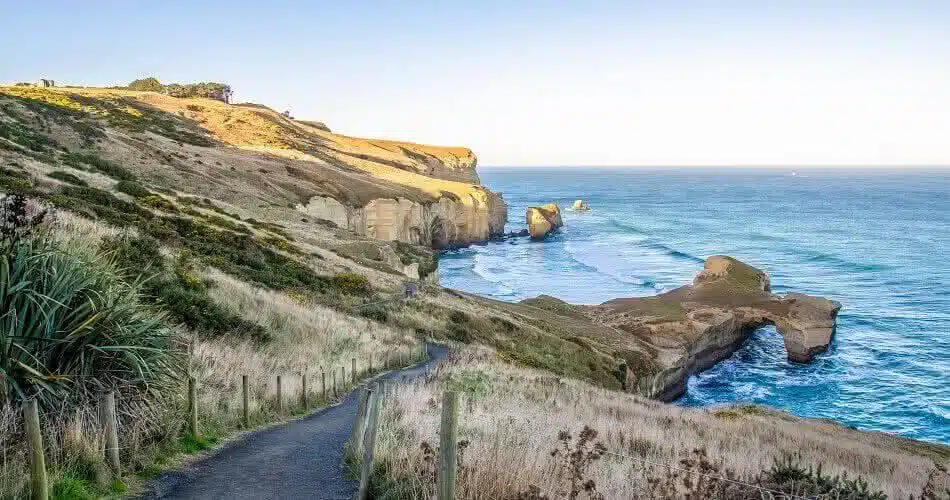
(71, 327)
(703, 477)
(20, 134)
(69, 487)
(85, 161)
(351, 284)
(374, 311)
(474, 384)
(789, 475)
(14, 181)
(178, 291)
(100, 204)
(427, 259)
(150, 84)
(463, 327)
(64, 176)
(133, 189)
(159, 202)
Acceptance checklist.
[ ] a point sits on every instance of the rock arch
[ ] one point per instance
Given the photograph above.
(438, 236)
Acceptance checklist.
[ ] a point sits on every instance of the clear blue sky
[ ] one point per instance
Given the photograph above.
(541, 83)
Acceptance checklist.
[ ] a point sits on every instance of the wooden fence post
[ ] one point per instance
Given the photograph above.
(356, 439)
(383, 391)
(353, 371)
(448, 445)
(369, 370)
(31, 417)
(193, 407)
(280, 397)
(109, 425)
(369, 443)
(342, 379)
(304, 396)
(323, 383)
(334, 384)
(246, 401)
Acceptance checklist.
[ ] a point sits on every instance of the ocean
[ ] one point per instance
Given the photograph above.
(878, 242)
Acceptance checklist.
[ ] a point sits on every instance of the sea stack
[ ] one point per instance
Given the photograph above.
(580, 206)
(542, 220)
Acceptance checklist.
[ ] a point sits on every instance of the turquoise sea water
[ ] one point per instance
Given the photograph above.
(877, 242)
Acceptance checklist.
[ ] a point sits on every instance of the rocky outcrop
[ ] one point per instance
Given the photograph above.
(688, 330)
(580, 206)
(542, 220)
(390, 190)
(438, 223)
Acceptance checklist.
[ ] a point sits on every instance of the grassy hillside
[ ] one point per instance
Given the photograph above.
(186, 209)
(204, 226)
(528, 434)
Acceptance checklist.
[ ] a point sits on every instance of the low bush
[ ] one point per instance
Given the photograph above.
(26, 137)
(133, 189)
(178, 291)
(351, 284)
(62, 175)
(427, 259)
(87, 161)
(14, 181)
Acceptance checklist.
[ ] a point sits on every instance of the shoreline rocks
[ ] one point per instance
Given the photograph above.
(543, 220)
(660, 341)
(580, 206)
(691, 328)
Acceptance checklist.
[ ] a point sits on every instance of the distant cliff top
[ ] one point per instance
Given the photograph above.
(259, 128)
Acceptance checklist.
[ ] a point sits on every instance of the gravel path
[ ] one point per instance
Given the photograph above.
(299, 459)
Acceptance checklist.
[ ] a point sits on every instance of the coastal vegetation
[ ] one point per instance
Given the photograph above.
(529, 434)
(209, 90)
(150, 239)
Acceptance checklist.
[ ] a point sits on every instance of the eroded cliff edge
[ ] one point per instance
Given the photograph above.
(264, 161)
(659, 341)
(696, 326)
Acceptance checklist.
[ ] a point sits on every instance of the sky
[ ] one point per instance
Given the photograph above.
(538, 83)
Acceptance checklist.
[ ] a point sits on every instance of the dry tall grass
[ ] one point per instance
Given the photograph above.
(307, 337)
(511, 419)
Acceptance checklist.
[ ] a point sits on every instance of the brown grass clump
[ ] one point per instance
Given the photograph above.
(511, 419)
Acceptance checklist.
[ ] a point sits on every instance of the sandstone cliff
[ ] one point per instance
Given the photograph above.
(543, 220)
(689, 329)
(385, 189)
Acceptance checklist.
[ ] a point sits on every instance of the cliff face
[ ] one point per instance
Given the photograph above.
(385, 189)
(690, 329)
(447, 221)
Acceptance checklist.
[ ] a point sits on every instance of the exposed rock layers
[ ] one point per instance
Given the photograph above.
(437, 223)
(389, 190)
(542, 220)
(696, 326)
(660, 341)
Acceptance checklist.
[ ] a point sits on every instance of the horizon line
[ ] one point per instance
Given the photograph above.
(727, 166)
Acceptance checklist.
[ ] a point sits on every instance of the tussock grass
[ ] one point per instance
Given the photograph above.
(511, 418)
(303, 337)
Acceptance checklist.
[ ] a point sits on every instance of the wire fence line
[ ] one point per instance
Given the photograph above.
(771, 492)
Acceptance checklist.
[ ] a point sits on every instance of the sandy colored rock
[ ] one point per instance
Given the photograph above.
(691, 328)
(580, 206)
(543, 220)
(257, 158)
